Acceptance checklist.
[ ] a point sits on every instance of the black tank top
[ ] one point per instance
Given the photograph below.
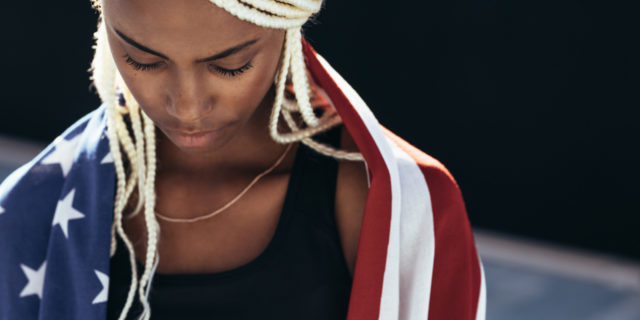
(302, 274)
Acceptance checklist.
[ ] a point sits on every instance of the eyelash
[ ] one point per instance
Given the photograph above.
(141, 66)
(232, 72)
(225, 72)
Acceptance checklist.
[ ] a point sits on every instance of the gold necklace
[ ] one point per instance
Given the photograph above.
(234, 200)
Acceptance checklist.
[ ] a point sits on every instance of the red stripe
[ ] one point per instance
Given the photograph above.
(366, 289)
(456, 282)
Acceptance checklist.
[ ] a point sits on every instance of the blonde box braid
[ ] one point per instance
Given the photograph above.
(104, 77)
(140, 149)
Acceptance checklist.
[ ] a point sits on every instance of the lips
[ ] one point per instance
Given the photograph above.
(194, 139)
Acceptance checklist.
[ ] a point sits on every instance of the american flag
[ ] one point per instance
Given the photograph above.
(416, 257)
(55, 217)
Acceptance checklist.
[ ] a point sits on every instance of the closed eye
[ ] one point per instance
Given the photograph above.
(223, 71)
(231, 72)
(141, 66)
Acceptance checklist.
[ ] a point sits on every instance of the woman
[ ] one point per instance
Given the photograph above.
(216, 200)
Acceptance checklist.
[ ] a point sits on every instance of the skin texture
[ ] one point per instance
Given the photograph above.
(197, 174)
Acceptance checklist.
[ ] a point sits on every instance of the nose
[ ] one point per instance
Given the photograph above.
(187, 99)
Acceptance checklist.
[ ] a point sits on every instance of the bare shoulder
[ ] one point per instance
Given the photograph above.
(351, 195)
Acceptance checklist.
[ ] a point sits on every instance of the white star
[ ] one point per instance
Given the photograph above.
(1, 210)
(107, 159)
(35, 280)
(104, 280)
(63, 154)
(66, 212)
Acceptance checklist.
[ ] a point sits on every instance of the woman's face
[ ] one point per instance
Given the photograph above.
(198, 72)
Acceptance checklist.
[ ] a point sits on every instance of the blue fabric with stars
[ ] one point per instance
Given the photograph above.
(55, 222)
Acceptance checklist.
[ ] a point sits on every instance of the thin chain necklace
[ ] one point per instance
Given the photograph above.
(234, 200)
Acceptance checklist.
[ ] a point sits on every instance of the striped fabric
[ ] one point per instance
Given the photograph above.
(416, 257)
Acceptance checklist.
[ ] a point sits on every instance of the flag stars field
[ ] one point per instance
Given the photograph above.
(103, 294)
(60, 154)
(66, 212)
(48, 212)
(35, 280)
(107, 159)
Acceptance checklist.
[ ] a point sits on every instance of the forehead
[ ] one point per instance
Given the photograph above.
(181, 24)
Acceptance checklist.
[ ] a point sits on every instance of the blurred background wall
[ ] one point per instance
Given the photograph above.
(532, 105)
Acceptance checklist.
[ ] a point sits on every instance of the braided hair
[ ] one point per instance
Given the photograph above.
(140, 148)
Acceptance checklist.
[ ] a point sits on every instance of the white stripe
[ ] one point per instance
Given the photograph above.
(410, 252)
(482, 299)
(417, 240)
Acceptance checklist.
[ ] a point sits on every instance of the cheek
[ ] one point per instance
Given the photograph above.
(144, 90)
(252, 89)
(238, 99)
(145, 93)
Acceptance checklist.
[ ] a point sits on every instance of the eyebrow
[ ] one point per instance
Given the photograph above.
(217, 56)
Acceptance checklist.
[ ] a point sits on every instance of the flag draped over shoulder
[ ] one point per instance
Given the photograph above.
(416, 256)
(55, 228)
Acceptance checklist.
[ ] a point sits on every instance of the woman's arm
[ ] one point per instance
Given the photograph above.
(351, 195)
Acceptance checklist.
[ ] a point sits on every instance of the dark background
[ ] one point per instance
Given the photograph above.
(532, 105)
